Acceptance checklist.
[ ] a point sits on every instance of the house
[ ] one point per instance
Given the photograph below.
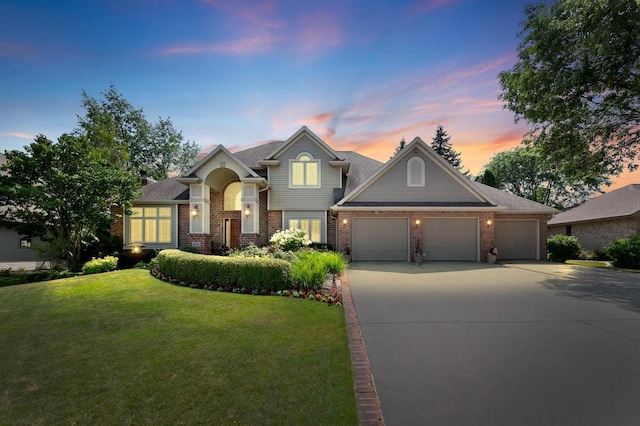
(601, 220)
(15, 247)
(341, 198)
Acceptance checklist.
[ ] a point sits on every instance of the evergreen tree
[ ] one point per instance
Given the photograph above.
(399, 148)
(443, 147)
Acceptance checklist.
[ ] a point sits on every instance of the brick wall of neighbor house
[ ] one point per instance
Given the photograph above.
(597, 235)
(542, 230)
(415, 231)
(117, 228)
(331, 231)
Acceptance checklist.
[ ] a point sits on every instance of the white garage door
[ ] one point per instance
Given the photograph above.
(380, 239)
(450, 239)
(517, 239)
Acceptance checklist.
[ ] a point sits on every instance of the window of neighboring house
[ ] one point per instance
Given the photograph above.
(232, 196)
(569, 230)
(304, 172)
(415, 172)
(312, 226)
(25, 242)
(150, 225)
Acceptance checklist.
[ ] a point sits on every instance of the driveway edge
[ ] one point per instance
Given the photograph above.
(366, 395)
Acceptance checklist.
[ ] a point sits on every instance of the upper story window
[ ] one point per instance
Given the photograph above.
(232, 196)
(415, 172)
(304, 172)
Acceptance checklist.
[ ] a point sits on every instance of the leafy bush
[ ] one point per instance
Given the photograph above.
(290, 239)
(625, 252)
(202, 271)
(105, 264)
(251, 250)
(311, 267)
(334, 262)
(562, 248)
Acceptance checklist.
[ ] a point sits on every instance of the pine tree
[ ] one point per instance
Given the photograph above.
(399, 147)
(441, 145)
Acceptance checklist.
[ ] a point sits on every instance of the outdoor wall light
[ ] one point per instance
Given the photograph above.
(194, 210)
(247, 210)
(489, 222)
(344, 221)
(136, 248)
(417, 221)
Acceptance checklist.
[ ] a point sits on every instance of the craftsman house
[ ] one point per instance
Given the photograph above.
(385, 212)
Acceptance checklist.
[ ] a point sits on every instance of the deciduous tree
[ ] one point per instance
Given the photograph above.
(577, 81)
(63, 192)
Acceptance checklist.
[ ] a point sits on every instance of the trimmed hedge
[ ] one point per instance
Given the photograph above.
(204, 271)
(562, 248)
(96, 266)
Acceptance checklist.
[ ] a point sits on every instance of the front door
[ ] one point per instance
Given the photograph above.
(232, 233)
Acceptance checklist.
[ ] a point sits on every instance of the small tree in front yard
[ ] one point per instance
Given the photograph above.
(62, 192)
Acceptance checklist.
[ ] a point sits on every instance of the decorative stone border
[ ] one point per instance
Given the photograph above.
(366, 395)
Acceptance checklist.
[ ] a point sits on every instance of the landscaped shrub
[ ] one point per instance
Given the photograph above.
(290, 239)
(334, 262)
(250, 250)
(310, 268)
(202, 271)
(105, 264)
(190, 249)
(625, 252)
(562, 248)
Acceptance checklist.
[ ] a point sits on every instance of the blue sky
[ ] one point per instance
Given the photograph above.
(360, 74)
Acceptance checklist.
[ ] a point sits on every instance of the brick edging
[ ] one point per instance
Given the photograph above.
(366, 395)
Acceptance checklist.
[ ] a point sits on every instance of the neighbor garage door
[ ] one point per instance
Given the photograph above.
(380, 239)
(450, 239)
(517, 239)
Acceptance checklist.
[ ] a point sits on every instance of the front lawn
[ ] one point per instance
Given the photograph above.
(126, 348)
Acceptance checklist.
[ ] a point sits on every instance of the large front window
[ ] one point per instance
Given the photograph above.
(305, 172)
(312, 226)
(150, 225)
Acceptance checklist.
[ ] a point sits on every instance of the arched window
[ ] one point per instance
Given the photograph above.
(232, 194)
(304, 172)
(415, 172)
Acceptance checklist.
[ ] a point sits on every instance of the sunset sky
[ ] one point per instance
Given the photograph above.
(360, 74)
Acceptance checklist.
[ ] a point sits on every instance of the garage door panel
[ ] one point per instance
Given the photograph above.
(450, 239)
(380, 239)
(517, 239)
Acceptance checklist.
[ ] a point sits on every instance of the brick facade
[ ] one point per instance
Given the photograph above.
(597, 235)
(117, 228)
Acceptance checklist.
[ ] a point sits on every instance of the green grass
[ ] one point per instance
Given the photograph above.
(590, 263)
(125, 348)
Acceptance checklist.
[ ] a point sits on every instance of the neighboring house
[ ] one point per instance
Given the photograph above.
(341, 198)
(601, 220)
(15, 247)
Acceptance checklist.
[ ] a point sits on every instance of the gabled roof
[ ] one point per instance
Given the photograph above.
(302, 131)
(482, 199)
(205, 160)
(252, 156)
(360, 170)
(620, 203)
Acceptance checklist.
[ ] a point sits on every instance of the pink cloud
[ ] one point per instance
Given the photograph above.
(317, 32)
(246, 46)
(18, 135)
(426, 6)
(13, 49)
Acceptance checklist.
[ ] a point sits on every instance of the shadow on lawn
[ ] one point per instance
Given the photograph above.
(590, 284)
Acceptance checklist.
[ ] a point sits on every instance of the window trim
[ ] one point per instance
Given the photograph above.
(157, 219)
(310, 161)
(411, 163)
(310, 220)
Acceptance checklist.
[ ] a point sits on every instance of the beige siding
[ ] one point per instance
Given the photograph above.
(440, 186)
(281, 197)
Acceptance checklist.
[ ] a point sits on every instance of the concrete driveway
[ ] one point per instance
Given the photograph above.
(517, 344)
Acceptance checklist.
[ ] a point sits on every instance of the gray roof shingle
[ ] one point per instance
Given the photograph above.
(513, 203)
(164, 190)
(622, 202)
